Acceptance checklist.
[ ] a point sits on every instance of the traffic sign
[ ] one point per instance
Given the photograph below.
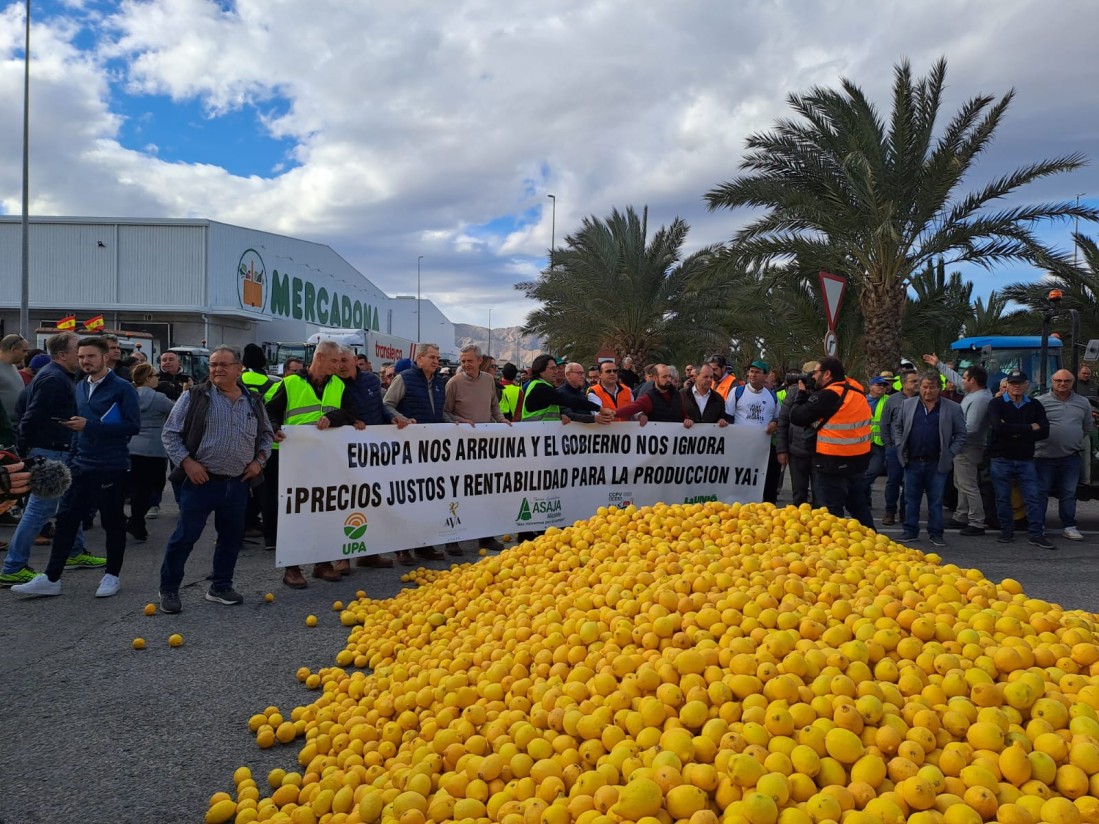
(831, 343)
(832, 288)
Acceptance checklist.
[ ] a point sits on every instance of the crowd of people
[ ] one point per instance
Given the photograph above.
(123, 429)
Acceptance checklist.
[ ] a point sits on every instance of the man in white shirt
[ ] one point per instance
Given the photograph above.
(755, 405)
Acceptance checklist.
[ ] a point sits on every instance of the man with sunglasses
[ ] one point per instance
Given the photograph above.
(609, 392)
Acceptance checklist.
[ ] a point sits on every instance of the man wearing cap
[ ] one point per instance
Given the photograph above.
(753, 404)
(929, 433)
(1058, 457)
(724, 380)
(1017, 423)
(876, 397)
(795, 445)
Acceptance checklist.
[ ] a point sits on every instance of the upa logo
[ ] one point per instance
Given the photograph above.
(354, 528)
(252, 280)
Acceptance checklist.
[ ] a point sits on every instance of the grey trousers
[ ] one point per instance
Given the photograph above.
(970, 506)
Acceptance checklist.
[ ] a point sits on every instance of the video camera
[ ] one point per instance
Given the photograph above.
(46, 478)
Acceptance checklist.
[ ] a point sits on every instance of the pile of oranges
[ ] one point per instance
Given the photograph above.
(690, 664)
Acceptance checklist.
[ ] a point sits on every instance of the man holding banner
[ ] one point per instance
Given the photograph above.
(418, 395)
(315, 396)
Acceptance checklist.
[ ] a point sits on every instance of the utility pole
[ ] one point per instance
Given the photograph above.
(553, 224)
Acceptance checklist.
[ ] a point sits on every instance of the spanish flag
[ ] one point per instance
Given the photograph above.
(68, 323)
(94, 324)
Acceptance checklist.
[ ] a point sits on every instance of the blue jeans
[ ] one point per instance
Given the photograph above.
(924, 477)
(894, 475)
(36, 513)
(1004, 471)
(227, 499)
(1060, 476)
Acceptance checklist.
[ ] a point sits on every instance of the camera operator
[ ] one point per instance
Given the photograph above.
(839, 413)
(795, 445)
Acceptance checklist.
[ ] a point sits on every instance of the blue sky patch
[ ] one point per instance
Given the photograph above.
(182, 131)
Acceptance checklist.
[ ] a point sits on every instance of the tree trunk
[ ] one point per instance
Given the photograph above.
(882, 307)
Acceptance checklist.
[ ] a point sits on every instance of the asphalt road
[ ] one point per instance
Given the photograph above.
(96, 732)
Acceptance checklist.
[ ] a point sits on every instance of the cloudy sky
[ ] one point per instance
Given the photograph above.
(391, 130)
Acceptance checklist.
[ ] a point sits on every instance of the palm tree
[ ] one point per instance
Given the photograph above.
(611, 286)
(994, 318)
(1079, 286)
(847, 193)
(936, 310)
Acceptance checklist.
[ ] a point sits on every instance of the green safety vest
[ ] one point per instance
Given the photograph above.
(551, 412)
(302, 404)
(509, 400)
(875, 421)
(257, 382)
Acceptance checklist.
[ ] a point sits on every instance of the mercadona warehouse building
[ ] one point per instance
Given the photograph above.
(186, 282)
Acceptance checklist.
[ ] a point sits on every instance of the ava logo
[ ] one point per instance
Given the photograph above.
(524, 511)
(453, 522)
(355, 526)
(252, 280)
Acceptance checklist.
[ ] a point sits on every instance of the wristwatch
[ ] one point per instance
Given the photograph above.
(262, 461)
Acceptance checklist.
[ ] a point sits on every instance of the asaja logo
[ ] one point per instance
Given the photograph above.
(355, 526)
(252, 280)
(540, 509)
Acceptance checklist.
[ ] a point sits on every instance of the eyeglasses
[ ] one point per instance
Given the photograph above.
(223, 365)
(610, 371)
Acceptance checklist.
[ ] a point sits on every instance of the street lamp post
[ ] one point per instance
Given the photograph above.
(489, 348)
(553, 227)
(25, 293)
(418, 306)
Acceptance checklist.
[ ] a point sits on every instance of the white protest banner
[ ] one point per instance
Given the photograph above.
(346, 493)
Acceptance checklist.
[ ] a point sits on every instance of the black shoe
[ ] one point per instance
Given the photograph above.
(953, 524)
(936, 540)
(453, 548)
(972, 530)
(1005, 538)
(429, 553)
(169, 602)
(908, 537)
(140, 536)
(1042, 542)
(492, 545)
(224, 595)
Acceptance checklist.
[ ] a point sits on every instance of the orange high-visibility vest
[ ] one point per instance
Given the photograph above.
(725, 385)
(848, 431)
(609, 401)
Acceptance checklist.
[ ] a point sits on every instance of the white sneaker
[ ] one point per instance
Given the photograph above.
(39, 585)
(153, 513)
(108, 586)
(1072, 533)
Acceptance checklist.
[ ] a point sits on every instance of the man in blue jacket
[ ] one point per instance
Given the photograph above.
(49, 398)
(928, 432)
(107, 416)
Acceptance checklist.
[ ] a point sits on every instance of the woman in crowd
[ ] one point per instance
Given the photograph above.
(148, 460)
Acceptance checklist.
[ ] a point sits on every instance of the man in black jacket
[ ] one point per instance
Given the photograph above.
(1017, 423)
(660, 403)
(701, 403)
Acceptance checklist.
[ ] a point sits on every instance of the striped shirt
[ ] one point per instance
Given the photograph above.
(229, 441)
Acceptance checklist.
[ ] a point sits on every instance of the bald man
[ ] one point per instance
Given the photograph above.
(1058, 458)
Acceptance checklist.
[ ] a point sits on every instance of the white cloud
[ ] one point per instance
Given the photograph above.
(415, 125)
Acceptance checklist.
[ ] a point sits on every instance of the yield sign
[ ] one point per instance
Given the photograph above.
(832, 288)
